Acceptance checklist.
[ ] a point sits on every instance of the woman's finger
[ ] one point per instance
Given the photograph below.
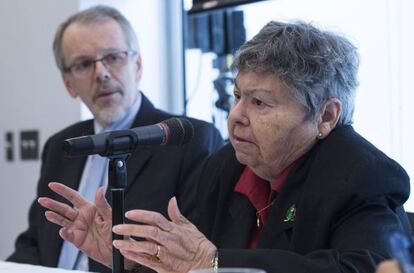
(146, 260)
(69, 194)
(66, 234)
(149, 218)
(142, 247)
(57, 219)
(175, 213)
(102, 205)
(142, 259)
(152, 233)
(58, 207)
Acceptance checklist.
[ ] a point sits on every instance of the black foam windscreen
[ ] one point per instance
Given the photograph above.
(180, 131)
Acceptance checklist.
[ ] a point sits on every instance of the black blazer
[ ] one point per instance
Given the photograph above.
(155, 174)
(348, 196)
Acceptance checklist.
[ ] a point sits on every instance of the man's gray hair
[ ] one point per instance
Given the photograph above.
(93, 15)
(315, 65)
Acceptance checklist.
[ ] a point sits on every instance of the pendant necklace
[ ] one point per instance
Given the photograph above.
(261, 210)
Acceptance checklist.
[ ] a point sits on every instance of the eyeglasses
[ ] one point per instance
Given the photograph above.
(111, 61)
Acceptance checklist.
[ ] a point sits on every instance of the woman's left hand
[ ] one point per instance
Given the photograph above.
(168, 246)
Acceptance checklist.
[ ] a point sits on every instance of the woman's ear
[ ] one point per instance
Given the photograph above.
(330, 114)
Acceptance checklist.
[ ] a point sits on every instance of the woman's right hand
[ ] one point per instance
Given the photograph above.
(86, 225)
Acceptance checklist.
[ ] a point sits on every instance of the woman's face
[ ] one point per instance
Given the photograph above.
(268, 128)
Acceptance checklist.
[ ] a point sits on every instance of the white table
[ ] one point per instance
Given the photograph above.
(26, 268)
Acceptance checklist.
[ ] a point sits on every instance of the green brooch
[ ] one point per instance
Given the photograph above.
(290, 214)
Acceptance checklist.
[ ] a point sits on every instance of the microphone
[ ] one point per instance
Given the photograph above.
(173, 131)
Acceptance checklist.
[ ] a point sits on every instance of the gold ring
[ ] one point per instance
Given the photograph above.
(157, 255)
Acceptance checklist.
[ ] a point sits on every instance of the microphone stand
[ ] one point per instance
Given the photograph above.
(117, 146)
(117, 179)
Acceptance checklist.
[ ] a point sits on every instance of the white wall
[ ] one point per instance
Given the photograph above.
(31, 97)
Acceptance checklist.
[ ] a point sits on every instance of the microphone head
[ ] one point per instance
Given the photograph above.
(78, 146)
(178, 131)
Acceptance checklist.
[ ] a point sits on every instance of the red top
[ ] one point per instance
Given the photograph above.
(261, 194)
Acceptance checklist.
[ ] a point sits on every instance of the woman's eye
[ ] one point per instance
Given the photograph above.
(258, 102)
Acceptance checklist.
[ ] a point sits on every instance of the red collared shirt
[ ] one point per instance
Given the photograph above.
(261, 194)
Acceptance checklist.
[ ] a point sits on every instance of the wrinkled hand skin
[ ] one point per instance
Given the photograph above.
(182, 247)
(85, 225)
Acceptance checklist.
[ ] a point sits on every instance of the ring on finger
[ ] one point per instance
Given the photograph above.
(157, 255)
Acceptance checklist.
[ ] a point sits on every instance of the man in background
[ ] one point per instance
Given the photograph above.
(98, 55)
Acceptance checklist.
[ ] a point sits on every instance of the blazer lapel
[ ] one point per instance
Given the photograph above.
(73, 171)
(279, 224)
(239, 220)
(282, 217)
(235, 211)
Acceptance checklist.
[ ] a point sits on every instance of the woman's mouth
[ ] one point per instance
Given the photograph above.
(241, 140)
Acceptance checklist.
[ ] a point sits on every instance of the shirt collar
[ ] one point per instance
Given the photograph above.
(258, 190)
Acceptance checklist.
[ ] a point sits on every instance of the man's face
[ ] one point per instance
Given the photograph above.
(268, 128)
(107, 92)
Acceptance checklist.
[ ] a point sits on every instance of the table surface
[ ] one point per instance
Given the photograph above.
(27, 268)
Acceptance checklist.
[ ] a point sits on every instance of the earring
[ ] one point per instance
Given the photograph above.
(320, 135)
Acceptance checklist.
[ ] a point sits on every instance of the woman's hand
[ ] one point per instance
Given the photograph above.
(168, 246)
(86, 225)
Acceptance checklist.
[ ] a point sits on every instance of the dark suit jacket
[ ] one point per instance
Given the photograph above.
(155, 174)
(348, 196)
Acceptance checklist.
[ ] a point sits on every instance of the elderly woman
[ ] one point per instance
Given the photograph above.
(298, 190)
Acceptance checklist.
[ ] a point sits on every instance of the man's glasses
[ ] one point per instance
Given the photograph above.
(111, 61)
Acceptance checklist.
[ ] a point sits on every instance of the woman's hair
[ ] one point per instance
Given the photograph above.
(94, 15)
(315, 65)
